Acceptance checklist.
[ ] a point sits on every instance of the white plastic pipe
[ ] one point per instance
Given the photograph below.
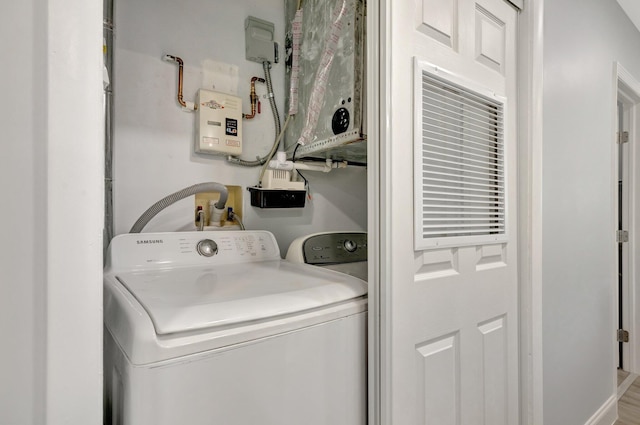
(281, 163)
(312, 166)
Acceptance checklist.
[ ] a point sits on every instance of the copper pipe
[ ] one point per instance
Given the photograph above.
(180, 68)
(253, 97)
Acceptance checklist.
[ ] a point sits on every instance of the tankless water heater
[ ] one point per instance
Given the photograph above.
(325, 79)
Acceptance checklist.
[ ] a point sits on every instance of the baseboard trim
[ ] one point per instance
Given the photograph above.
(624, 386)
(606, 414)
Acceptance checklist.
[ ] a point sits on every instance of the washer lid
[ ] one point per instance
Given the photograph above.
(358, 269)
(179, 300)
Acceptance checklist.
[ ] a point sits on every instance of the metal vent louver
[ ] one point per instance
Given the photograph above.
(460, 179)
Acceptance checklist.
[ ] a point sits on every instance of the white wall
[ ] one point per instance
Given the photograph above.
(581, 42)
(153, 147)
(51, 184)
(21, 183)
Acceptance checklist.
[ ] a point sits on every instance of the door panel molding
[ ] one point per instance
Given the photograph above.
(490, 39)
(436, 264)
(491, 256)
(439, 383)
(438, 19)
(494, 370)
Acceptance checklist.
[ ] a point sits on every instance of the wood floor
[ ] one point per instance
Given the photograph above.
(629, 403)
(622, 375)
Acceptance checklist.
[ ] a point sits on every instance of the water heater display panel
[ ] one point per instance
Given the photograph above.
(219, 123)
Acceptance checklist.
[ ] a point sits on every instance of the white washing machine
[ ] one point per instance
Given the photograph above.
(345, 252)
(215, 328)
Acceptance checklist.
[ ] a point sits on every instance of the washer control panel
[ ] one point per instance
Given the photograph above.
(141, 251)
(330, 248)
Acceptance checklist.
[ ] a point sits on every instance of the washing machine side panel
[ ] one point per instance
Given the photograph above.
(315, 376)
(115, 372)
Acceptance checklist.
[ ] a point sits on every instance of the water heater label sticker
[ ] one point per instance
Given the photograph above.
(212, 104)
(231, 128)
(210, 141)
(233, 143)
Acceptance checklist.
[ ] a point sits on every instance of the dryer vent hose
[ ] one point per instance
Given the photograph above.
(175, 197)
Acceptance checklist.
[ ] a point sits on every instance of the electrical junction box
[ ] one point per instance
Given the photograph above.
(259, 44)
(218, 123)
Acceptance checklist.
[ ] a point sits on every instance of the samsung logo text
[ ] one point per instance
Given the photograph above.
(149, 241)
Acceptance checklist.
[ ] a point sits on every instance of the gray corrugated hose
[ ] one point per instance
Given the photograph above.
(175, 197)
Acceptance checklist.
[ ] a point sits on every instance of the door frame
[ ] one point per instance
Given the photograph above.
(627, 91)
(378, 187)
(530, 67)
(530, 122)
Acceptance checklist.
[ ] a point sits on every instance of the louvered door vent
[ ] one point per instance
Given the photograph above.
(459, 169)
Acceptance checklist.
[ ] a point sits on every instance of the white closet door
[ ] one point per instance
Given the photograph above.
(450, 314)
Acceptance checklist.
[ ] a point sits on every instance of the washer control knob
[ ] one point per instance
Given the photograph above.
(350, 245)
(207, 248)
